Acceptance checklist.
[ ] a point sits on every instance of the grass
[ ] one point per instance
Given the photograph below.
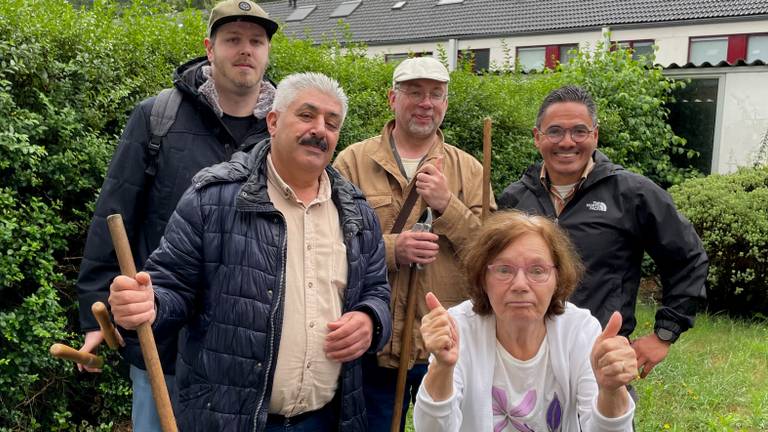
(715, 378)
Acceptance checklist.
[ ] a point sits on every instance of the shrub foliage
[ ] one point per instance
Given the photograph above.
(730, 213)
(69, 75)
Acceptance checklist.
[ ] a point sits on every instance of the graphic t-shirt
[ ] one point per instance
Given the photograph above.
(525, 393)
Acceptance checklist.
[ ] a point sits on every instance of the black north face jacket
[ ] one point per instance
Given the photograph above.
(197, 139)
(612, 219)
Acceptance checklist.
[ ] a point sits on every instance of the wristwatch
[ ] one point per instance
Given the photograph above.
(665, 335)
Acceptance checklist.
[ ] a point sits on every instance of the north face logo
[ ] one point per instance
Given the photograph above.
(597, 206)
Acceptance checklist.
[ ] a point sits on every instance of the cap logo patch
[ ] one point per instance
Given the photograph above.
(245, 6)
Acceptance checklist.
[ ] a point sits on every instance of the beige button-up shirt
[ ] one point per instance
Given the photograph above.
(315, 280)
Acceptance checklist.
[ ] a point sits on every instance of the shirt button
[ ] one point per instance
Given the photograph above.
(309, 284)
(269, 293)
(311, 324)
(309, 364)
(309, 247)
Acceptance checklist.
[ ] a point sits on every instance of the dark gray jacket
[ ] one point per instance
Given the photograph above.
(612, 219)
(196, 140)
(220, 274)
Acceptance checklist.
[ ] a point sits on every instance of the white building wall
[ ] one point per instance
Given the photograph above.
(672, 41)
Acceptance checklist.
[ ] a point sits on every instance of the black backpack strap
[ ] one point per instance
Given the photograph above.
(160, 120)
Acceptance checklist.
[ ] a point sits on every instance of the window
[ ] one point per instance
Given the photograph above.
(537, 58)
(398, 5)
(712, 50)
(565, 53)
(692, 116)
(445, 2)
(530, 59)
(639, 48)
(757, 48)
(398, 57)
(480, 59)
(345, 8)
(300, 13)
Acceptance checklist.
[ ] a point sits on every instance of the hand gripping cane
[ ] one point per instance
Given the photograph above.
(146, 338)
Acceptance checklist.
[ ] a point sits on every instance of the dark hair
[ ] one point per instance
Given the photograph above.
(569, 93)
(499, 231)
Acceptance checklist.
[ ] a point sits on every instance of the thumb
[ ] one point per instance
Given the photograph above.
(333, 325)
(613, 326)
(439, 163)
(432, 301)
(143, 278)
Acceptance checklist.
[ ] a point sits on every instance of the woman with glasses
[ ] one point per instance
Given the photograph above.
(518, 356)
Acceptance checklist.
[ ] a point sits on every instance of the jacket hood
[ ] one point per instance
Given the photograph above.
(192, 80)
(189, 76)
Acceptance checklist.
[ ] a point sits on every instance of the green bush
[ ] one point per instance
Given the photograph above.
(69, 77)
(730, 213)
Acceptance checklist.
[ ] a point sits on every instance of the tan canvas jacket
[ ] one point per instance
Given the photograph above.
(371, 165)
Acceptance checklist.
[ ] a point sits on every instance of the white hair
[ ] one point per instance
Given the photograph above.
(290, 87)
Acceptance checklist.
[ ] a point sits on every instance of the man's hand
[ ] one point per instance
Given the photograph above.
(350, 336)
(432, 186)
(412, 247)
(92, 341)
(132, 300)
(650, 351)
(441, 337)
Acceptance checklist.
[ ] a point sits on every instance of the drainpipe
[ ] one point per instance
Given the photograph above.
(606, 33)
(452, 53)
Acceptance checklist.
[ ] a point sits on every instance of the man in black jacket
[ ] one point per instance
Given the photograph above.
(613, 216)
(273, 265)
(224, 102)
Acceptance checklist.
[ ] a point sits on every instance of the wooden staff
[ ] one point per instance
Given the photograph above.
(146, 338)
(406, 340)
(107, 329)
(68, 353)
(486, 168)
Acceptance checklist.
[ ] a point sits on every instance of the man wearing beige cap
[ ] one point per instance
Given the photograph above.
(218, 105)
(410, 154)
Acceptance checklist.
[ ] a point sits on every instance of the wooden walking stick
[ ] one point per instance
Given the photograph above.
(68, 353)
(146, 338)
(486, 168)
(406, 338)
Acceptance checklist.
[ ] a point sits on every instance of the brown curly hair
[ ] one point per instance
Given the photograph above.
(499, 231)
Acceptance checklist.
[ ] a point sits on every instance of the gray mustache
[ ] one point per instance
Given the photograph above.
(314, 141)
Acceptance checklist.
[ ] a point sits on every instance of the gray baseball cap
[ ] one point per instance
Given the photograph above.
(240, 10)
(420, 68)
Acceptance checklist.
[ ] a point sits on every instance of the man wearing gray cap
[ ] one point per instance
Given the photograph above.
(411, 155)
(217, 106)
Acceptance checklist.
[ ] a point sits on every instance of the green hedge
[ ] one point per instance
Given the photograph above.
(70, 76)
(730, 213)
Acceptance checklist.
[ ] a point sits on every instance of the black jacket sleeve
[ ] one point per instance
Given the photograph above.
(176, 266)
(676, 248)
(122, 192)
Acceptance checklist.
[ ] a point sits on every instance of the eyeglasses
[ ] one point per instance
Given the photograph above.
(535, 273)
(555, 134)
(416, 96)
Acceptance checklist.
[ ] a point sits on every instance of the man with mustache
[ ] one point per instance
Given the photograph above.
(613, 216)
(410, 154)
(224, 100)
(272, 267)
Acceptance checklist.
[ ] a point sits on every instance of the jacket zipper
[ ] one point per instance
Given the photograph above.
(272, 326)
